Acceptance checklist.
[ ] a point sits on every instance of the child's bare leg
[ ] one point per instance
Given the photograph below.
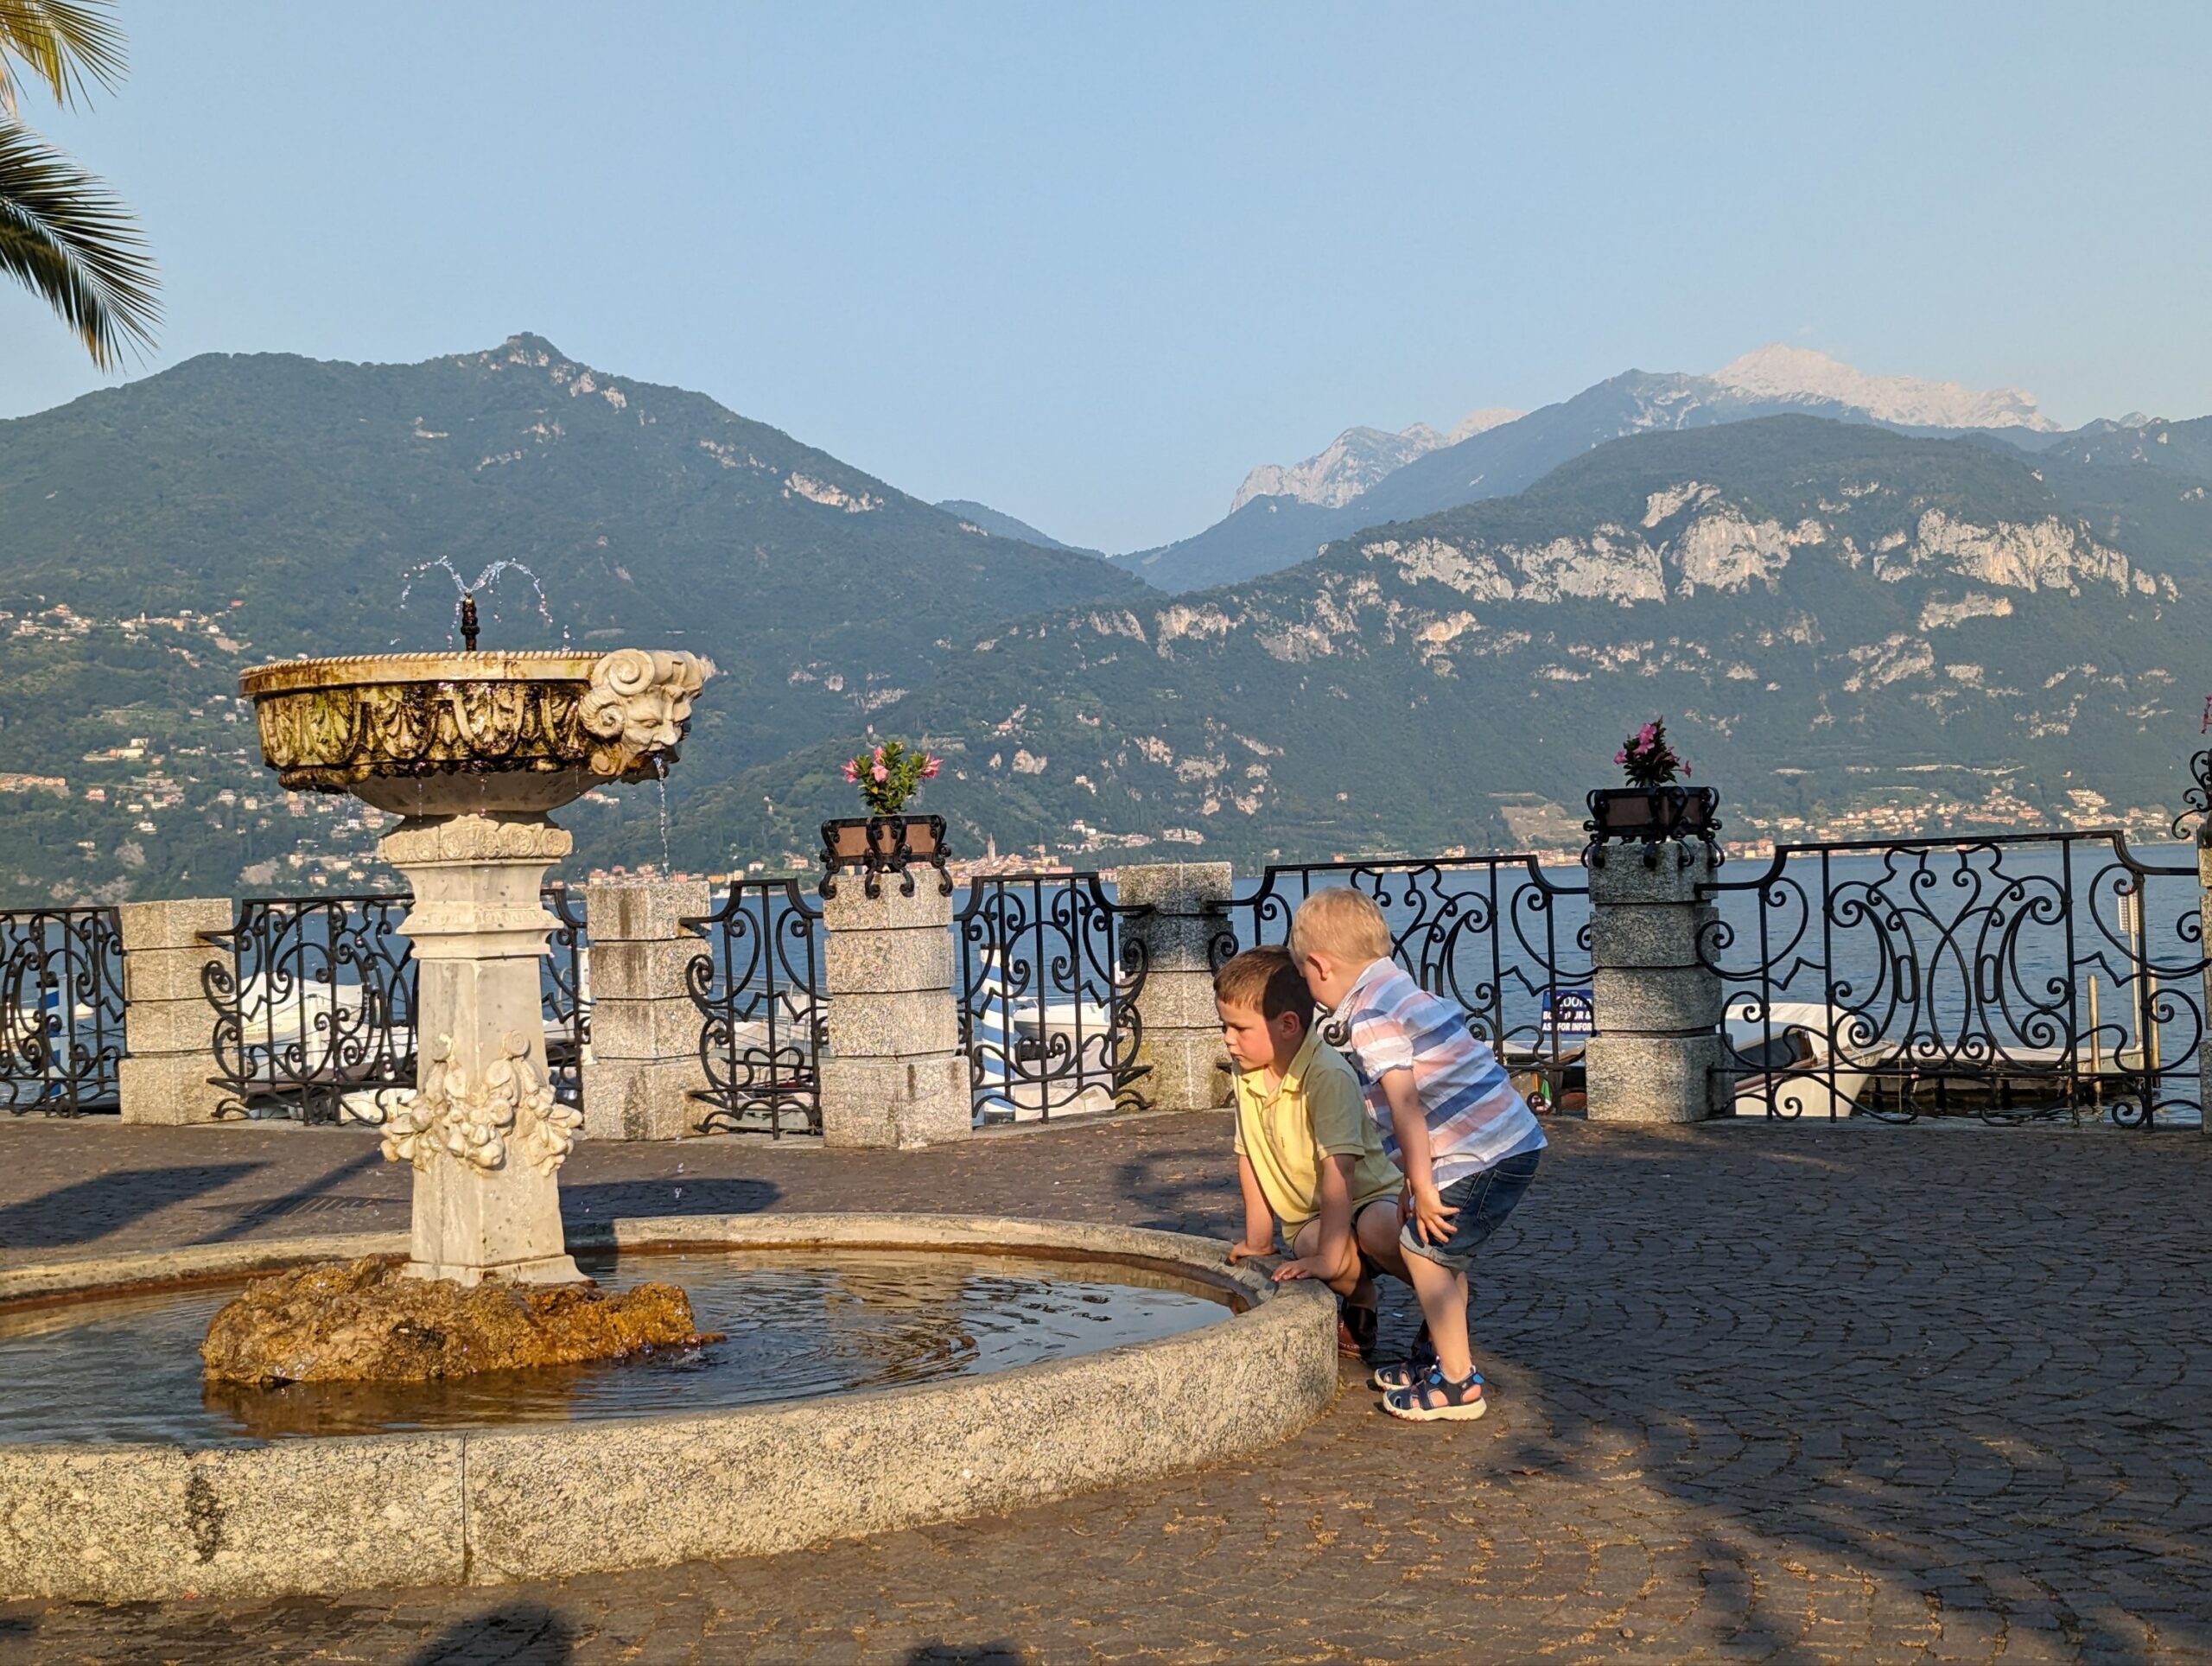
(1443, 1295)
(1378, 1231)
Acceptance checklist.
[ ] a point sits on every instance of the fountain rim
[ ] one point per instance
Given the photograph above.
(426, 665)
(130, 1520)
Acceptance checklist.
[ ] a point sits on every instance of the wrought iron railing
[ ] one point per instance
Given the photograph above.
(2005, 978)
(314, 1006)
(756, 982)
(1048, 985)
(60, 1010)
(1497, 934)
(566, 994)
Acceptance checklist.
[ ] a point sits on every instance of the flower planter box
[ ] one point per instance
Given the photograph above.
(877, 845)
(1651, 815)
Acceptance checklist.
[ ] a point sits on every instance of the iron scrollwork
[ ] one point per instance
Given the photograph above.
(565, 994)
(60, 1010)
(313, 1008)
(757, 983)
(1050, 978)
(2007, 978)
(1496, 934)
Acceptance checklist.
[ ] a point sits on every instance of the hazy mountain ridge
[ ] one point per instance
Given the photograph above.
(292, 496)
(1867, 611)
(1358, 458)
(1505, 458)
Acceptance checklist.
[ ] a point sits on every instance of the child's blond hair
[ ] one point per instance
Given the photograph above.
(1341, 922)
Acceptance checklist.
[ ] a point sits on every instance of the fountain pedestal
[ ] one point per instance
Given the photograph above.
(485, 1135)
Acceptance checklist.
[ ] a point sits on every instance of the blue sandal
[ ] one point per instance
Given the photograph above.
(1437, 1398)
(1414, 1369)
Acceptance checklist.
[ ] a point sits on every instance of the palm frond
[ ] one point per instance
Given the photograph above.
(66, 238)
(63, 43)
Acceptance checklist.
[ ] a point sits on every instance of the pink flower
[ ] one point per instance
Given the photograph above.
(880, 774)
(879, 761)
(930, 768)
(1647, 733)
(852, 769)
(1618, 758)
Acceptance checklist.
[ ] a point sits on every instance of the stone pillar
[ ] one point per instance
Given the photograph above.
(894, 1074)
(1658, 1055)
(645, 1028)
(169, 1024)
(483, 1129)
(1179, 1032)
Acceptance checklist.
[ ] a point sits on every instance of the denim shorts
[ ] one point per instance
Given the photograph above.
(1483, 1200)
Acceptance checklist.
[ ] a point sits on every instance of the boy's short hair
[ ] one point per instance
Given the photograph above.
(1266, 979)
(1339, 920)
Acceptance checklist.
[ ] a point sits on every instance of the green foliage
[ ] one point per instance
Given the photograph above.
(891, 774)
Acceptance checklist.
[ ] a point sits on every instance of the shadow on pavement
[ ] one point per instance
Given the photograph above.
(518, 1634)
(303, 1201)
(1970, 1371)
(668, 1194)
(85, 1210)
(1001, 1653)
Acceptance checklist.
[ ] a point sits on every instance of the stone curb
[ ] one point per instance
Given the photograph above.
(145, 1521)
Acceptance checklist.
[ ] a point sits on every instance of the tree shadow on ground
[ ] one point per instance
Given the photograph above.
(85, 1210)
(517, 1634)
(668, 1194)
(1968, 1370)
(1003, 1652)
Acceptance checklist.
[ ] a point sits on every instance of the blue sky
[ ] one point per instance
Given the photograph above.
(1091, 264)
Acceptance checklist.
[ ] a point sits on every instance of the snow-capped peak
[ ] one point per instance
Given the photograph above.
(1358, 458)
(1799, 374)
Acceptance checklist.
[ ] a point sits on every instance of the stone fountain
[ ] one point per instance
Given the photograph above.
(473, 751)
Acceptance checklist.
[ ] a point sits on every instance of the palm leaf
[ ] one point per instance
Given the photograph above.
(68, 239)
(60, 43)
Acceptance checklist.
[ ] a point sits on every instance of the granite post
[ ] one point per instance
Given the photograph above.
(1659, 1055)
(894, 1074)
(644, 1065)
(168, 1023)
(1179, 1033)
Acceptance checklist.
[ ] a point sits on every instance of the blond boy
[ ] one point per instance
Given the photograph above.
(1307, 1154)
(1468, 1143)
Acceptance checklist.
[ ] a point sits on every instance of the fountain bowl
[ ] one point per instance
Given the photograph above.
(143, 1521)
(426, 735)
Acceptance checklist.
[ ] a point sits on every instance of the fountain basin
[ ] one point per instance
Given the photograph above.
(478, 732)
(149, 1520)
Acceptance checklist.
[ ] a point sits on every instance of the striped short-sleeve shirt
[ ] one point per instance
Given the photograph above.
(1476, 1119)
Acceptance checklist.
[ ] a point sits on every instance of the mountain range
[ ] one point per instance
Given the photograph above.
(1851, 621)
(1278, 517)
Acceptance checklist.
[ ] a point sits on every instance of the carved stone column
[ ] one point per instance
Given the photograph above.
(1179, 1032)
(483, 1131)
(1659, 1055)
(169, 1024)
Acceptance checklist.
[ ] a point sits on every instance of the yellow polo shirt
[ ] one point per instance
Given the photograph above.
(1316, 1112)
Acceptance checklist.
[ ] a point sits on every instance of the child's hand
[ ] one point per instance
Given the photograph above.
(1424, 1206)
(1304, 1266)
(1246, 1251)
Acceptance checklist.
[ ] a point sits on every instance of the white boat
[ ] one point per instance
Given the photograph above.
(1801, 1058)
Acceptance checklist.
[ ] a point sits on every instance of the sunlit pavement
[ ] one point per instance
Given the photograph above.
(1790, 1394)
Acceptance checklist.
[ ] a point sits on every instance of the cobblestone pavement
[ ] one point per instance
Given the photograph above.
(1761, 1393)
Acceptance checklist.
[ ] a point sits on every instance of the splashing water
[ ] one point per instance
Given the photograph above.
(483, 580)
(660, 779)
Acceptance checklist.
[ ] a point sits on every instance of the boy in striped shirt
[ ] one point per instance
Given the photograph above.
(1468, 1143)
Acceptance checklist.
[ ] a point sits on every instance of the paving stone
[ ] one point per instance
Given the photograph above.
(1759, 1394)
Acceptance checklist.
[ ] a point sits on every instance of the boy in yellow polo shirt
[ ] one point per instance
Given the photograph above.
(1308, 1156)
